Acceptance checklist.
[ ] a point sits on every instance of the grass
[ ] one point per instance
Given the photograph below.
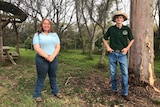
(157, 69)
(74, 57)
(17, 81)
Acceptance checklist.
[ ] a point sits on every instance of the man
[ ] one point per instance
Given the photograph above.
(119, 35)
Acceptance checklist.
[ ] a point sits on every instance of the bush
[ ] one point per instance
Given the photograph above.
(28, 43)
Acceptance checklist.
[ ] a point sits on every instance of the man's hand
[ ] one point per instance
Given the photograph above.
(124, 51)
(110, 50)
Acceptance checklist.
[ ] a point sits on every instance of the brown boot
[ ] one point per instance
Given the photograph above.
(125, 97)
(59, 96)
(39, 102)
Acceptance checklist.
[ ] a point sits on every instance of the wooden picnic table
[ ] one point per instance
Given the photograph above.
(5, 48)
(8, 55)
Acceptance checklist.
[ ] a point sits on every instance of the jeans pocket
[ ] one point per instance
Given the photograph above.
(123, 53)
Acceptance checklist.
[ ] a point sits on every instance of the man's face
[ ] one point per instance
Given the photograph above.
(119, 19)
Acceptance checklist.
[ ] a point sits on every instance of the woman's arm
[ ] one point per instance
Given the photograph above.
(40, 51)
(57, 49)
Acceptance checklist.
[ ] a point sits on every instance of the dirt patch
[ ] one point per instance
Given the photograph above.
(95, 90)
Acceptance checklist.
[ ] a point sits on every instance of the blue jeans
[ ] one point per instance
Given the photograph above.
(43, 68)
(115, 57)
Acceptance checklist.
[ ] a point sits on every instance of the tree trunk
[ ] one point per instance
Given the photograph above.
(78, 24)
(159, 17)
(141, 56)
(17, 37)
(1, 41)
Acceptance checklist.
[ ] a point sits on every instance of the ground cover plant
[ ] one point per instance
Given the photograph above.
(82, 82)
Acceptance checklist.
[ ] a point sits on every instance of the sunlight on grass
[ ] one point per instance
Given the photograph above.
(17, 81)
(78, 59)
(27, 53)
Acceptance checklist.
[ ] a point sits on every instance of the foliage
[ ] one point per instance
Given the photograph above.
(98, 45)
(156, 45)
(9, 36)
(157, 69)
(18, 81)
(71, 38)
(28, 42)
(75, 71)
(27, 29)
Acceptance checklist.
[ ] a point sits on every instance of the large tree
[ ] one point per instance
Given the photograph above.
(1, 41)
(141, 63)
(158, 3)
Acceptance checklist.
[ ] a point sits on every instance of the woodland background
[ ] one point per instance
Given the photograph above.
(83, 74)
(80, 24)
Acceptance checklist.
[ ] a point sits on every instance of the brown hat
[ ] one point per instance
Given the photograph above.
(119, 13)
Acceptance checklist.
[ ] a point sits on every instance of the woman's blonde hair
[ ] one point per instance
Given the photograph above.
(40, 28)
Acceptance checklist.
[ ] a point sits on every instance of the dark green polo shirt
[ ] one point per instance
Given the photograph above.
(118, 37)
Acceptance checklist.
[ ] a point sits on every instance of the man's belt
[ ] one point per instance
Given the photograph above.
(118, 51)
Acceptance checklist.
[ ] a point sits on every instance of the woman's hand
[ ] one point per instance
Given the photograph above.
(50, 58)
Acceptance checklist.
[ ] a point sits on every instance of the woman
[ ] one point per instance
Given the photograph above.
(47, 45)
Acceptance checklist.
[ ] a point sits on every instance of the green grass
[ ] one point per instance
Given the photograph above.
(27, 54)
(157, 69)
(76, 58)
(17, 81)
(156, 101)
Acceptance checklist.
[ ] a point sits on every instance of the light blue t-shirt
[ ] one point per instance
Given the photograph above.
(46, 42)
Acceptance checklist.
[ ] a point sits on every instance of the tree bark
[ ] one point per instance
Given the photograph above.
(1, 41)
(141, 62)
(159, 17)
(17, 37)
(78, 18)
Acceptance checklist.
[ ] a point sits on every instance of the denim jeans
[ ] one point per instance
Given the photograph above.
(115, 57)
(43, 68)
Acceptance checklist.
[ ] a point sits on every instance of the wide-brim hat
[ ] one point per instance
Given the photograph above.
(119, 13)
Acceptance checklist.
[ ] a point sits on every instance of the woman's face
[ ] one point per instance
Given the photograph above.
(46, 25)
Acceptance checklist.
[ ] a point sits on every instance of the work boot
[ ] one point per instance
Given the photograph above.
(39, 102)
(125, 97)
(113, 93)
(59, 96)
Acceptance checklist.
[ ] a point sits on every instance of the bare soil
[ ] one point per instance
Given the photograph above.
(96, 92)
